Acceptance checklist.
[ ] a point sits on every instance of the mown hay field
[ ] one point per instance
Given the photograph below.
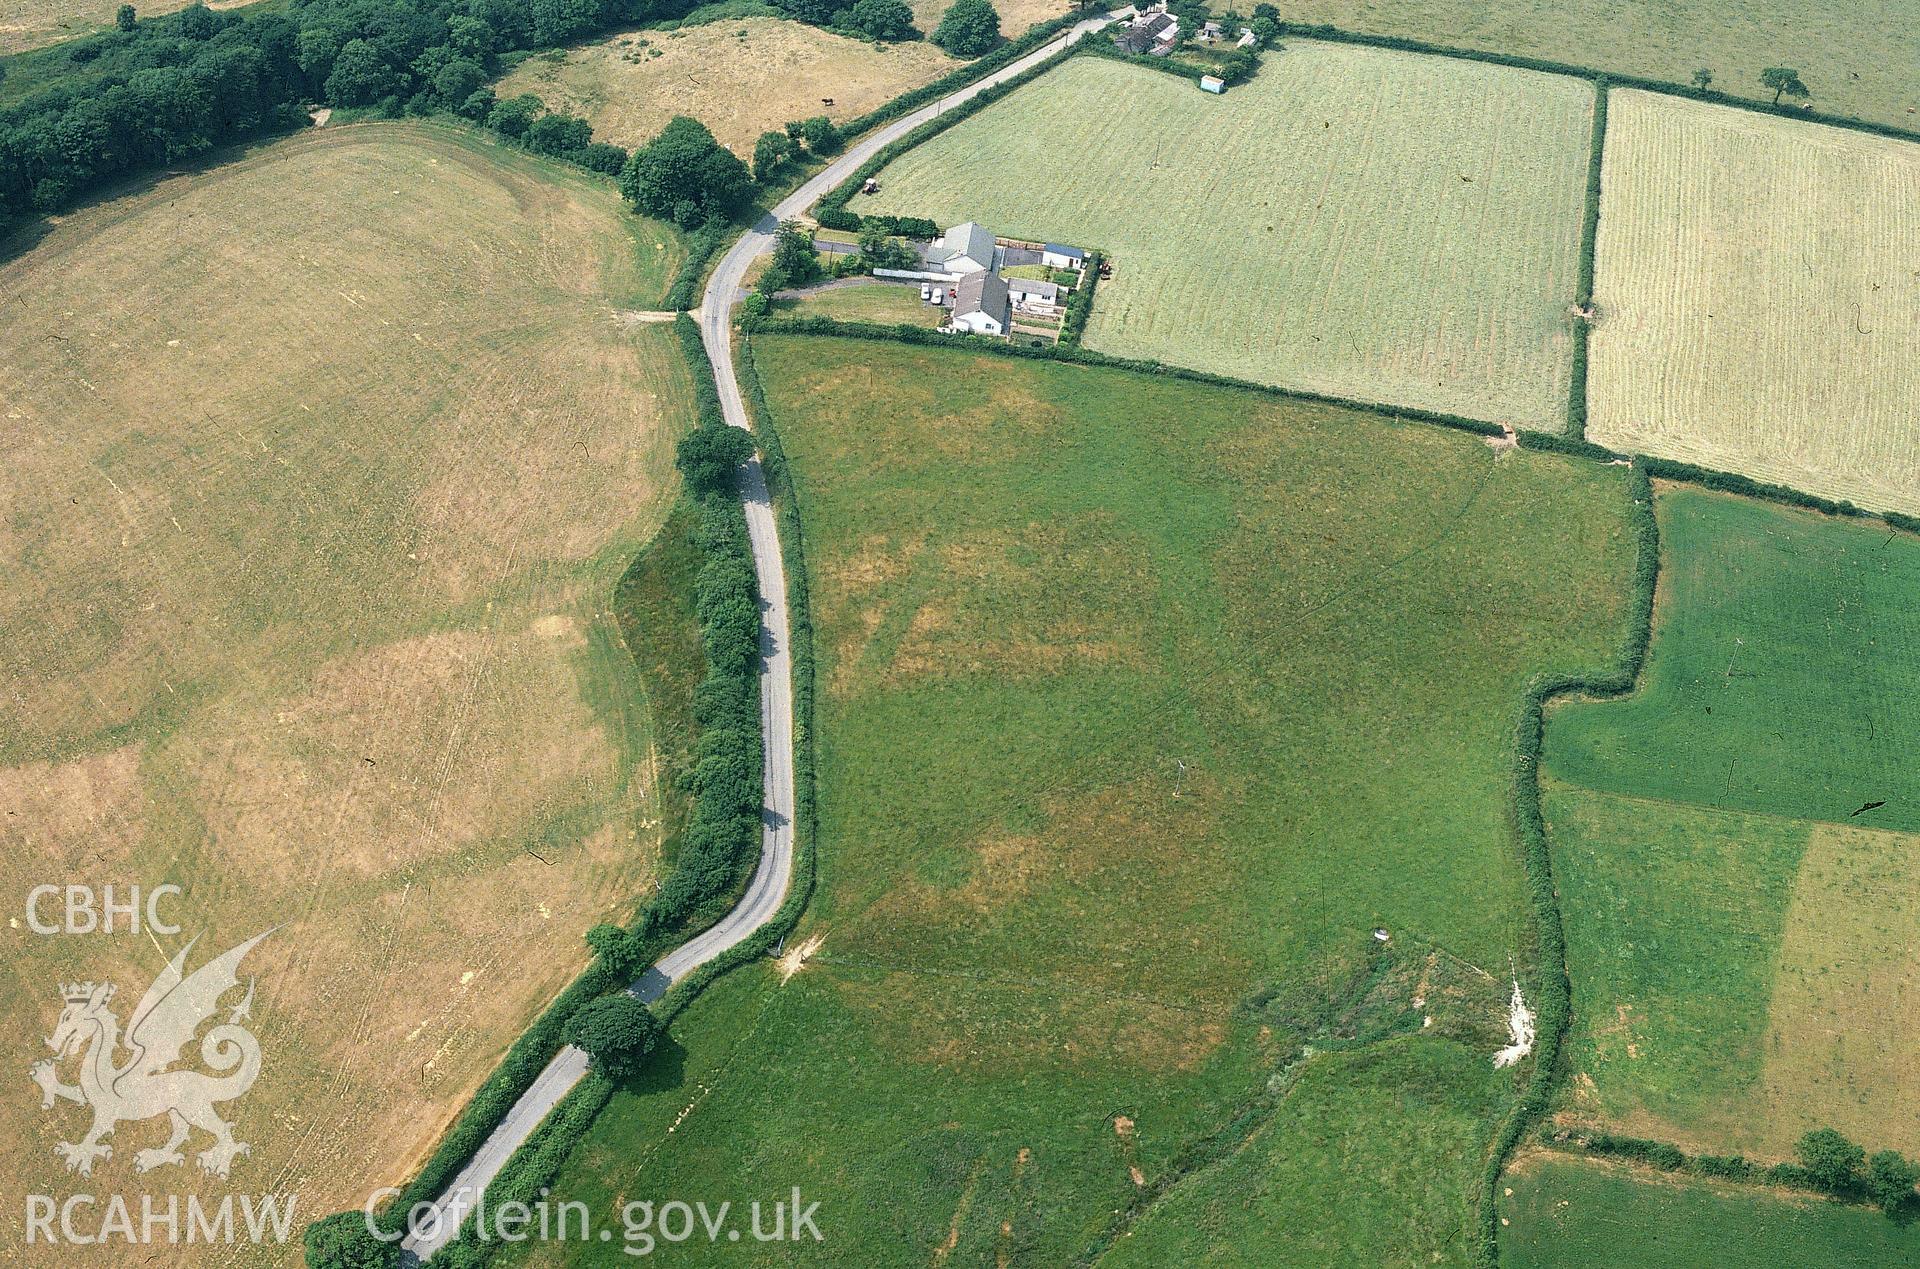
(1739, 921)
(321, 468)
(1367, 224)
(1142, 704)
(1859, 57)
(1570, 1213)
(739, 77)
(1758, 290)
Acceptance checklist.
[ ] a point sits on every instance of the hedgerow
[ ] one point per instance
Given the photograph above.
(835, 201)
(1659, 1154)
(1554, 1004)
(1087, 357)
(1165, 65)
(720, 840)
(1334, 34)
(1080, 303)
(1005, 55)
(1583, 286)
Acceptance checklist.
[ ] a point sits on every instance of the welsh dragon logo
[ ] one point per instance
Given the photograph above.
(143, 1086)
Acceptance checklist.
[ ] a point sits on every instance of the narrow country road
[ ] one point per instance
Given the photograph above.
(768, 888)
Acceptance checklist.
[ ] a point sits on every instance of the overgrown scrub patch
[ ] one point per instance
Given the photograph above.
(1156, 715)
(1362, 266)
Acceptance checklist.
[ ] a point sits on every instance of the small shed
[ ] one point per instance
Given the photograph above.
(1055, 256)
(1213, 84)
(1026, 291)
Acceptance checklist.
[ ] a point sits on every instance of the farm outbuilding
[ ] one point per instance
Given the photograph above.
(963, 249)
(1212, 84)
(1024, 291)
(1055, 256)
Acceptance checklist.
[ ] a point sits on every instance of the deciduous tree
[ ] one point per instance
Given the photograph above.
(1783, 79)
(968, 28)
(617, 1032)
(1833, 1161)
(879, 19)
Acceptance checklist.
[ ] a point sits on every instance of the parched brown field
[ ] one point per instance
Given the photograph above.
(320, 468)
(1758, 287)
(1016, 16)
(740, 78)
(26, 24)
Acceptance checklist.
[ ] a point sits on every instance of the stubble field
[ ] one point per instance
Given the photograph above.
(1739, 919)
(321, 469)
(739, 77)
(1367, 224)
(1142, 704)
(1758, 290)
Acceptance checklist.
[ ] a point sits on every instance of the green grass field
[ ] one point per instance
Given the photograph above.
(1142, 704)
(1431, 1100)
(1739, 940)
(1366, 224)
(1859, 57)
(884, 302)
(1571, 1214)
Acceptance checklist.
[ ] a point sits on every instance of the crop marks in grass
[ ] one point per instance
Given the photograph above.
(1361, 223)
(322, 466)
(1142, 703)
(1759, 299)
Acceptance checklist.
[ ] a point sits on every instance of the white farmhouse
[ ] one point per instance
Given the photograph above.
(981, 304)
(963, 249)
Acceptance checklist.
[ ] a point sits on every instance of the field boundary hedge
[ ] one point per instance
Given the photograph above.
(1080, 303)
(680, 906)
(834, 203)
(966, 73)
(539, 1161)
(1165, 65)
(927, 335)
(1583, 285)
(1554, 1006)
(1667, 1157)
(1550, 442)
(1666, 87)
